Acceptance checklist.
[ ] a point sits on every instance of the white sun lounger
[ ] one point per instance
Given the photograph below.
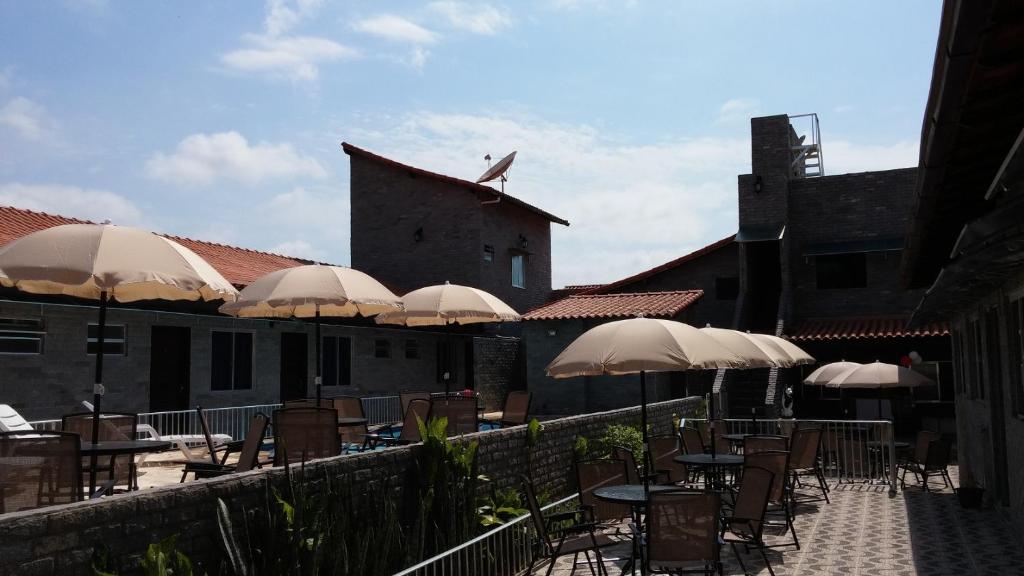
(11, 421)
(184, 442)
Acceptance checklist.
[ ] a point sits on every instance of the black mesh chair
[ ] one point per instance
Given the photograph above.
(934, 463)
(746, 523)
(682, 533)
(576, 539)
(39, 469)
(805, 446)
(780, 497)
(302, 434)
(593, 474)
(418, 411)
(112, 427)
(663, 450)
(461, 413)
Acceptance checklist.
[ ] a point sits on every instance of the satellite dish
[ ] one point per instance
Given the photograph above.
(498, 170)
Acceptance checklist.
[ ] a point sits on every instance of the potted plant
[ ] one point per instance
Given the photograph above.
(969, 493)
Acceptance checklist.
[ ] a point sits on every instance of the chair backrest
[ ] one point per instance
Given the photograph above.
(460, 412)
(250, 454)
(302, 434)
(347, 406)
(938, 454)
(682, 527)
(664, 449)
(39, 469)
(755, 444)
(804, 448)
(205, 425)
(418, 411)
(11, 421)
(309, 403)
(410, 395)
(775, 462)
(112, 427)
(593, 474)
(722, 446)
(626, 455)
(924, 438)
(538, 517)
(517, 408)
(752, 501)
(692, 441)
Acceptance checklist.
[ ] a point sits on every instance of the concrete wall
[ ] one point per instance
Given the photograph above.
(44, 386)
(60, 539)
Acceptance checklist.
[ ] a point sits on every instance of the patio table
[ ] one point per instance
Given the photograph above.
(636, 497)
(115, 448)
(714, 465)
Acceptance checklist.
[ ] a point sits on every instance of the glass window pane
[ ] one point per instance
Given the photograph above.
(344, 361)
(329, 354)
(220, 362)
(518, 271)
(243, 361)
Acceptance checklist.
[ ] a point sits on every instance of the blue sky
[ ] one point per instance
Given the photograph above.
(222, 121)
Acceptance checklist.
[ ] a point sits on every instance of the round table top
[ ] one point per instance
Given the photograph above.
(124, 447)
(707, 460)
(350, 421)
(628, 493)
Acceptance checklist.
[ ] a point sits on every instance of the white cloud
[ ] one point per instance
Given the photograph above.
(298, 249)
(28, 119)
(292, 57)
(737, 110)
(418, 57)
(476, 18)
(843, 156)
(842, 109)
(283, 15)
(87, 203)
(203, 159)
(396, 29)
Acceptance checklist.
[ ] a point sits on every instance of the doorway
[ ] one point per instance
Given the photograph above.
(764, 285)
(294, 365)
(169, 368)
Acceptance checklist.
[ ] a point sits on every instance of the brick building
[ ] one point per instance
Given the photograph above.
(816, 259)
(164, 356)
(965, 237)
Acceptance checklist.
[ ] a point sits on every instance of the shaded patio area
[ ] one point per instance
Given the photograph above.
(865, 532)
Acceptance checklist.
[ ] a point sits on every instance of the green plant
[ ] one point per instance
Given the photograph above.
(103, 562)
(499, 507)
(164, 559)
(533, 432)
(621, 435)
(581, 447)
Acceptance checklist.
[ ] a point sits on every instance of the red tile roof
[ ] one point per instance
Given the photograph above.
(605, 288)
(852, 328)
(355, 150)
(650, 304)
(239, 265)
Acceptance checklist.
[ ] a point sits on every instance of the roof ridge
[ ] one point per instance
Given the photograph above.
(604, 288)
(51, 215)
(635, 294)
(243, 249)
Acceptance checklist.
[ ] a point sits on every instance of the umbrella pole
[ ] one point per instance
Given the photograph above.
(643, 429)
(317, 380)
(97, 387)
(711, 418)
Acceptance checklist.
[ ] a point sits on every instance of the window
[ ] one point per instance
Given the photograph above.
(381, 348)
(1015, 323)
(488, 253)
(231, 365)
(518, 271)
(412, 349)
(841, 271)
(113, 339)
(727, 288)
(337, 361)
(21, 336)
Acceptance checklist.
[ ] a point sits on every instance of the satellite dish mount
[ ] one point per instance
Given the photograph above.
(499, 171)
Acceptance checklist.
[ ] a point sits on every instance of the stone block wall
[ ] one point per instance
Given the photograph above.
(60, 539)
(498, 369)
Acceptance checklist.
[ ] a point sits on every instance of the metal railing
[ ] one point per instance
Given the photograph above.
(851, 450)
(505, 551)
(234, 420)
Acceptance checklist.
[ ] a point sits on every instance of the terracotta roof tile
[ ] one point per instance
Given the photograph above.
(239, 265)
(852, 328)
(355, 150)
(650, 304)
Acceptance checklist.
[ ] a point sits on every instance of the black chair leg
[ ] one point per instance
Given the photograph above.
(764, 554)
(736, 553)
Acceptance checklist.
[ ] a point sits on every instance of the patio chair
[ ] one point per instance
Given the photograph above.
(626, 455)
(664, 449)
(113, 426)
(515, 411)
(776, 462)
(302, 434)
(418, 410)
(11, 421)
(214, 446)
(803, 458)
(309, 403)
(682, 530)
(562, 541)
(353, 437)
(593, 474)
(746, 523)
(755, 444)
(248, 458)
(934, 463)
(693, 443)
(39, 468)
(722, 446)
(460, 412)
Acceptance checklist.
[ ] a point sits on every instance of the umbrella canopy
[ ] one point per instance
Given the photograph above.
(301, 291)
(127, 264)
(756, 354)
(879, 375)
(449, 304)
(825, 374)
(784, 349)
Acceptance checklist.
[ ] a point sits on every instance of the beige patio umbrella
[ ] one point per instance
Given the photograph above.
(313, 291)
(105, 262)
(783, 349)
(447, 303)
(641, 345)
(753, 351)
(879, 375)
(826, 373)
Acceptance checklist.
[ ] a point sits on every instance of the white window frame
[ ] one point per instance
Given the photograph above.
(123, 340)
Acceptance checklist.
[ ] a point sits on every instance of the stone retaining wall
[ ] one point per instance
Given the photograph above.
(60, 539)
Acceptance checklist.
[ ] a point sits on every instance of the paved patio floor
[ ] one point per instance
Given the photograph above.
(864, 531)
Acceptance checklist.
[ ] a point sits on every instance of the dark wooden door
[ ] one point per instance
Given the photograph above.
(169, 368)
(294, 365)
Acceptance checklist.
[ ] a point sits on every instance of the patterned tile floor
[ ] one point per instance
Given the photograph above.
(864, 531)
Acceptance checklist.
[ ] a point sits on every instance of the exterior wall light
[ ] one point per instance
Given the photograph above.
(417, 235)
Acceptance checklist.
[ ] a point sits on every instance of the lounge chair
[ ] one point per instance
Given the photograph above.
(248, 458)
(11, 421)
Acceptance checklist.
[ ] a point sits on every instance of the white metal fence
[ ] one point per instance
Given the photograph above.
(505, 551)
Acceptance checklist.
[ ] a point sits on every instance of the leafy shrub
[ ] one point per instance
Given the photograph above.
(621, 435)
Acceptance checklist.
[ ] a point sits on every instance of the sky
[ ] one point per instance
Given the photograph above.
(222, 121)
